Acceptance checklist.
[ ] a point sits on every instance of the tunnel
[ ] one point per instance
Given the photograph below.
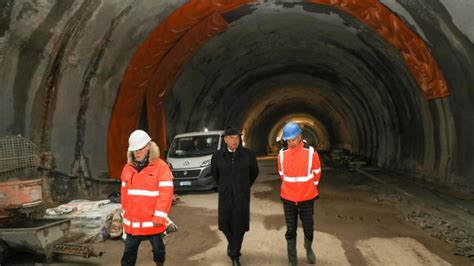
(389, 81)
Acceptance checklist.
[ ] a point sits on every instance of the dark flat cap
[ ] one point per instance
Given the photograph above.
(231, 131)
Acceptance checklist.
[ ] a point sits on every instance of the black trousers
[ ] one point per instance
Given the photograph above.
(306, 212)
(234, 244)
(133, 242)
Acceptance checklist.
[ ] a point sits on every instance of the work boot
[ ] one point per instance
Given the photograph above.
(292, 258)
(235, 262)
(309, 251)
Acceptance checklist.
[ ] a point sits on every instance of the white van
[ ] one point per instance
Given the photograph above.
(189, 158)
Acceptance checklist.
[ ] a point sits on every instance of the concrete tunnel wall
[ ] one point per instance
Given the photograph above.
(63, 62)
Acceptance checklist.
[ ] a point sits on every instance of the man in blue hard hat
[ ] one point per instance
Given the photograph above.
(300, 169)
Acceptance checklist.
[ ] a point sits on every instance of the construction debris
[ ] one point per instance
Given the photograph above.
(82, 250)
(93, 218)
(116, 227)
(390, 198)
(436, 226)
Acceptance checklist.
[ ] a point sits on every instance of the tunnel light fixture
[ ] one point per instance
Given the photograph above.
(205, 129)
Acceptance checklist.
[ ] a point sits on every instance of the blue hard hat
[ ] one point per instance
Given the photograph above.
(291, 130)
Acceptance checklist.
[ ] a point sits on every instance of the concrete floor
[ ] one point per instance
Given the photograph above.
(352, 228)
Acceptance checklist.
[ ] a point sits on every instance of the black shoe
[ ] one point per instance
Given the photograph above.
(235, 262)
(291, 248)
(309, 251)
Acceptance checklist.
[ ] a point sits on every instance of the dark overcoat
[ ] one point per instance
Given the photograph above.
(234, 172)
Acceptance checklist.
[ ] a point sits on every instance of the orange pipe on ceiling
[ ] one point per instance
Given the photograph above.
(153, 70)
(412, 48)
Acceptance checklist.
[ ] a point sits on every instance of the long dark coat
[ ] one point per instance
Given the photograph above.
(234, 172)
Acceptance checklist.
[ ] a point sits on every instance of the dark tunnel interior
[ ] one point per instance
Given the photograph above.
(263, 69)
(272, 62)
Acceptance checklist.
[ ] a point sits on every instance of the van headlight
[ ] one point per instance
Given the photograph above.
(206, 163)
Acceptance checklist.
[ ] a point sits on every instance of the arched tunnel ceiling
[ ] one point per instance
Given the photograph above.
(62, 59)
(333, 65)
(159, 59)
(389, 118)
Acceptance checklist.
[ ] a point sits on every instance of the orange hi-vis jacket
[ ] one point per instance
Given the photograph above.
(146, 198)
(300, 170)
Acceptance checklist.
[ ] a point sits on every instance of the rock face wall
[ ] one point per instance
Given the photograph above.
(62, 63)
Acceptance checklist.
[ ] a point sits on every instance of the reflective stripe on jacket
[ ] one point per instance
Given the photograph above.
(299, 170)
(146, 198)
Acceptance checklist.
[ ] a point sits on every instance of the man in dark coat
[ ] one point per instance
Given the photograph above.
(235, 169)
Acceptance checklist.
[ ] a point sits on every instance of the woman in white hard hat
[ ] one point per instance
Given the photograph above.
(147, 193)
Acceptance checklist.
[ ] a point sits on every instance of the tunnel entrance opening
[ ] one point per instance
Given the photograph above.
(313, 130)
(314, 133)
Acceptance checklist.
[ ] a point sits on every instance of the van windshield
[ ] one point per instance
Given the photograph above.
(194, 146)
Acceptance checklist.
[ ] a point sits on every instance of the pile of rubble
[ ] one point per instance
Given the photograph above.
(436, 226)
(92, 218)
(98, 220)
(390, 198)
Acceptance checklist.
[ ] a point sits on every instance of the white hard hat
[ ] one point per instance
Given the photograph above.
(137, 140)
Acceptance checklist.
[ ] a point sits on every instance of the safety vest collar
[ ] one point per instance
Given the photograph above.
(154, 162)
